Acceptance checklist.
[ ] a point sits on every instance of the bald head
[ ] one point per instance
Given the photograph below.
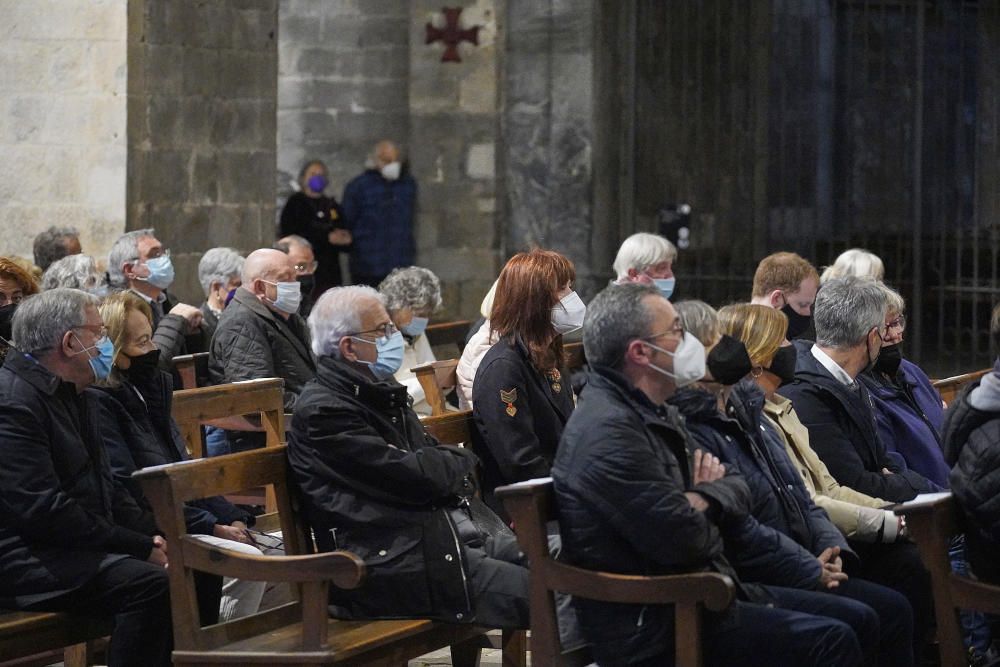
(268, 264)
(386, 152)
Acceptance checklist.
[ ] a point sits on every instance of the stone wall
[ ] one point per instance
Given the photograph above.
(62, 121)
(202, 102)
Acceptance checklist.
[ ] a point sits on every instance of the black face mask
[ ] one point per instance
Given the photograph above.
(889, 359)
(143, 364)
(783, 364)
(307, 283)
(6, 315)
(728, 362)
(797, 324)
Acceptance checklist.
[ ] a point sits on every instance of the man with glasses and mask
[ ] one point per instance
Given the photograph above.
(304, 260)
(261, 334)
(375, 483)
(71, 537)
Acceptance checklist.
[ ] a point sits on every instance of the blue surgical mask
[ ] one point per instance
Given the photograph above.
(101, 364)
(289, 296)
(161, 272)
(390, 355)
(416, 327)
(317, 183)
(665, 285)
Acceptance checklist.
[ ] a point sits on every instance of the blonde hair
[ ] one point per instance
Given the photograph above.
(855, 262)
(115, 311)
(761, 329)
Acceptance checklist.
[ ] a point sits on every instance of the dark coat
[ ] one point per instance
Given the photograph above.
(171, 335)
(909, 417)
(313, 218)
(519, 442)
(62, 513)
(379, 213)
(140, 433)
(209, 322)
(842, 430)
(620, 475)
(373, 482)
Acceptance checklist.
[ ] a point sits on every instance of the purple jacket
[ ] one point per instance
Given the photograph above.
(909, 417)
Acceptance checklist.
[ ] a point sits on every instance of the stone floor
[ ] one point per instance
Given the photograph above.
(491, 658)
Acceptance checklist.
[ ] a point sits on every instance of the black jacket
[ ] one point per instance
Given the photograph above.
(171, 335)
(62, 513)
(620, 475)
(374, 483)
(842, 430)
(138, 432)
(313, 218)
(520, 415)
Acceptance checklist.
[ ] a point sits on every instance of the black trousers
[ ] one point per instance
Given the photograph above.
(499, 581)
(136, 594)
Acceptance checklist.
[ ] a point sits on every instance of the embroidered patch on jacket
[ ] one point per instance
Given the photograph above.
(555, 379)
(509, 397)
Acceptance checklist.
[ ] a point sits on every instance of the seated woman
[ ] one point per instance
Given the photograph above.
(647, 259)
(138, 431)
(15, 284)
(411, 297)
(477, 343)
(855, 262)
(521, 395)
(77, 271)
(908, 409)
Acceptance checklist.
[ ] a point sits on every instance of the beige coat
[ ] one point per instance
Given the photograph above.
(857, 515)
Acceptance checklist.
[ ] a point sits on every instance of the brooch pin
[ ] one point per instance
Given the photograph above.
(509, 397)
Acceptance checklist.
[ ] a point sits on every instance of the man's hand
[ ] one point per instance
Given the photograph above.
(886, 471)
(696, 500)
(339, 237)
(831, 565)
(191, 315)
(236, 532)
(706, 468)
(158, 554)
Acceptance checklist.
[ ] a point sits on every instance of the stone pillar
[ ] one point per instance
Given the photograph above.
(62, 121)
(202, 98)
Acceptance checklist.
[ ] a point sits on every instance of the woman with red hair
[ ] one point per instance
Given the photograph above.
(15, 284)
(522, 396)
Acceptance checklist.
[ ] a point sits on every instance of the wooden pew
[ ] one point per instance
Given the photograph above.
(931, 524)
(950, 388)
(191, 367)
(437, 379)
(531, 505)
(447, 339)
(24, 634)
(299, 632)
(452, 428)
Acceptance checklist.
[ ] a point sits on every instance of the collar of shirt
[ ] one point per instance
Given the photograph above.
(832, 366)
(159, 299)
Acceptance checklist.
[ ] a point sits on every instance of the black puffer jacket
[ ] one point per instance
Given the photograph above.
(373, 482)
(620, 475)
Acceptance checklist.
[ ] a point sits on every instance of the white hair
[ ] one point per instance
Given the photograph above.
(338, 314)
(855, 262)
(219, 265)
(125, 251)
(76, 271)
(641, 251)
(42, 319)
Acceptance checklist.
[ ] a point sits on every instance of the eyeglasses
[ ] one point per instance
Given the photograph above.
(387, 330)
(156, 254)
(306, 267)
(100, 331)
(898, 323)
(677, 331)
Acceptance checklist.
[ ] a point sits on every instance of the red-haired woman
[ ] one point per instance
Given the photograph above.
(522, 396)
(15, 284)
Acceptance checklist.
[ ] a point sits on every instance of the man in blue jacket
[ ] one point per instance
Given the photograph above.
(378, 208)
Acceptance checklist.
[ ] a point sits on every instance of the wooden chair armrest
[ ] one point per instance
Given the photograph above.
(925, 505)
(343, 568)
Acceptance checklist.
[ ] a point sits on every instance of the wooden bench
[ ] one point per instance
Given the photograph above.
(299, 632)
(931, 524)
(437, 379)
(447, 339)
(191, 367)
(950, 388)
(532, 505)
(24, 634)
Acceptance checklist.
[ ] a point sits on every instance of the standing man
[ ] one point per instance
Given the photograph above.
(378, 207)
(55, 243)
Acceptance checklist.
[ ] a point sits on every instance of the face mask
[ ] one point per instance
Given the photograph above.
(144, 363)
(416, 327)
(889, 359)
(101, 364)
(728, 362)
(100, 291)
(689, 361)
(392, 171)
(161, 272)
(665, 285)
(797, 324)
(317, 183)
(307, 282)
(567, 315)
(390, 355)
(871, 360)
(783, 364)
(289, 296)
(6, 316)
(230, 295)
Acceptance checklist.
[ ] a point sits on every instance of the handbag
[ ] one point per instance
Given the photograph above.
(476, 523)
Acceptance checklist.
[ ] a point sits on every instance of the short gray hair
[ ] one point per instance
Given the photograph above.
(76, 271)
(641, 251)
(125, 250)
(284, 243)
(338, 314)
(42, 319)
(846, 309)
(219, 265)
(413, 286)
(700, 319)
(895, 303)
(50, 245)
(615, 318)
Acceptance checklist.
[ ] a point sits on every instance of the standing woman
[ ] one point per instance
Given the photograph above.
(521, 395)
(309, 213)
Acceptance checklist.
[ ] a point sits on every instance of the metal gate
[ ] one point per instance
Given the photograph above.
(820, 125)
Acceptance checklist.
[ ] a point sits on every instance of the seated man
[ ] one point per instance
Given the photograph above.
(376, 484)
(71, 537)
(304, 259)
(261, 335)
(139, 262)
(788, 282)
(629, 502)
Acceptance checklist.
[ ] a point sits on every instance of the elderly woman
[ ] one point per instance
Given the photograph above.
(15, 284)
(412, 294)
(219, 273)
(139, 432)
(77, 271)
(855, 262)
(647, 259)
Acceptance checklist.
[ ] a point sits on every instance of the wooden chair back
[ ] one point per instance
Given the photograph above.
(437, 379)
(575, 359)
(531, 505)
(950, 388)
(447, 339)
(190, 368)
(451, 428)
(931, 524)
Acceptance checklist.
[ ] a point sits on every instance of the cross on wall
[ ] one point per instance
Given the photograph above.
(451, 35)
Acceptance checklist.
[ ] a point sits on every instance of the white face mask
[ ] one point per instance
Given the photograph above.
(289, 296)
(689, 361)
(567, 315)
(392, 170)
